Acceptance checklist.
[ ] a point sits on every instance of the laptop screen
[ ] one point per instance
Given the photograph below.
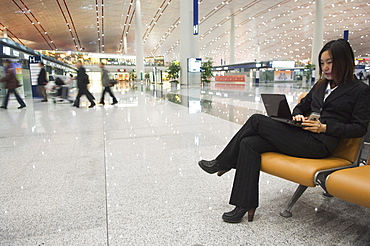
(276, 105)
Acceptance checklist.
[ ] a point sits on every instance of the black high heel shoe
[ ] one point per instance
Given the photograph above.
(220, 173)
(212, 166)
(236, 215)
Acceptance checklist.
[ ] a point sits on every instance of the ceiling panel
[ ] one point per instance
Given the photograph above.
(264, 30)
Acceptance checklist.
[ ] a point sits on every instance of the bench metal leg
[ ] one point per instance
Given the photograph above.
(327, 194)
(297, 194)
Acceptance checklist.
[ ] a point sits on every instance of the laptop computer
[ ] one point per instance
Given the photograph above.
(278, 109)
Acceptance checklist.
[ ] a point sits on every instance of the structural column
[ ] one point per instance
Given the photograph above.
(125, 44)
(232, 39)
(318, 35)
(5, 33)
(140, 71)
(189, 44)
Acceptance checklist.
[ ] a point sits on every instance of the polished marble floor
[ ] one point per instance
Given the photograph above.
(128, 174)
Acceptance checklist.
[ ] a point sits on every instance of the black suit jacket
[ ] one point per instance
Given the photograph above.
(82, 78)
(41, 79)
(346, 111)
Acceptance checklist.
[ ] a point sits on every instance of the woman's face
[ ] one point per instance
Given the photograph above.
(326, 63)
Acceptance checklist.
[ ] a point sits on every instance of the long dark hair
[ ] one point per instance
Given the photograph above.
(343, 61)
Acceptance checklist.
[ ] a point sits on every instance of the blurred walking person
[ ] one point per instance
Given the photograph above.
(82, 82)
(106, 85)
(11, 83)
(41, 82)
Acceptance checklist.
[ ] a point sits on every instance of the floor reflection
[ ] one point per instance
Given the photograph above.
(225, 100)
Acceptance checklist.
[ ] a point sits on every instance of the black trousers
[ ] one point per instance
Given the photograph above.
(258, 135)
(86, 92)
(19, 99)
(105, 90)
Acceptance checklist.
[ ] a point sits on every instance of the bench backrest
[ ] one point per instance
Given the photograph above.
(348, 148)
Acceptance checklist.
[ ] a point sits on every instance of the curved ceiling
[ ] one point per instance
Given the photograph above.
(264, 30)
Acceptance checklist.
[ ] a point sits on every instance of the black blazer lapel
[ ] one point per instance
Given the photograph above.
(321, 92)
(340, 90)
(318, 98)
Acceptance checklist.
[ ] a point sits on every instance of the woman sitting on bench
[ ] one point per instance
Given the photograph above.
(343, 103)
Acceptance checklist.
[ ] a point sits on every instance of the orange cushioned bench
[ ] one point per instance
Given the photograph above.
(310, 172)
(352, 185)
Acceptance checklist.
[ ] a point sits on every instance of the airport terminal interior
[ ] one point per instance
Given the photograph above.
(128, 174)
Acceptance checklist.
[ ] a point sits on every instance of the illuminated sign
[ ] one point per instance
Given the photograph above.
(283, 64)
(34, 59)
(195, 17)
(194, 65)
(6, 50)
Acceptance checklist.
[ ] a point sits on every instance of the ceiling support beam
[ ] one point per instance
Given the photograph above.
(139, 43)
(189, 43)
(318, 35)
(232, 39)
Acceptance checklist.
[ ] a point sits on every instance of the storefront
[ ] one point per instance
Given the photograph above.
(25, 62)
